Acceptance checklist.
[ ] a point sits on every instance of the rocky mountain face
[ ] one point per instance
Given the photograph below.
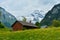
(53, 14)
(6, 18)
(37, 15)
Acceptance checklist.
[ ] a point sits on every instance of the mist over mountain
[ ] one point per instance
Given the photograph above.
(8, 19)
(35, 16)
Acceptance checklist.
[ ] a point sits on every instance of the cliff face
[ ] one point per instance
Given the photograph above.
(6, 18)
(53, 14)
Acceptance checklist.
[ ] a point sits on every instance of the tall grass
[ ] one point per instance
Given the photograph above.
(34, 34)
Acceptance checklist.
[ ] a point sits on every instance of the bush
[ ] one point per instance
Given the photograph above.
(1, 25)
(56, 23)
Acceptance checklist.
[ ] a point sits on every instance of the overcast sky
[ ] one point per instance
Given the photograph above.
(24, 7)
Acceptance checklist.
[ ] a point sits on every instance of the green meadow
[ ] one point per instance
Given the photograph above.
(32, 34)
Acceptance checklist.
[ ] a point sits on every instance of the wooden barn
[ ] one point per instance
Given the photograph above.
(20, 25)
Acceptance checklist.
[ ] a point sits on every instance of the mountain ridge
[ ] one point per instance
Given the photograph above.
(6, 18)
(53, 14)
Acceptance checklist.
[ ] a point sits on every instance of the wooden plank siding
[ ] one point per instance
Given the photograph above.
(17, 26)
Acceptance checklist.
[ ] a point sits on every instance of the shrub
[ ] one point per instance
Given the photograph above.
(1, 25)
(56, 23)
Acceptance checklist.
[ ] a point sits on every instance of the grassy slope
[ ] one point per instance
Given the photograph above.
(35, 34)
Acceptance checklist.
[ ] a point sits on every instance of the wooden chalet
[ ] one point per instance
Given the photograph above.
(20, 25)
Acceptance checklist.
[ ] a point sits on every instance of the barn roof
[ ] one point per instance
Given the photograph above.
(27, 24)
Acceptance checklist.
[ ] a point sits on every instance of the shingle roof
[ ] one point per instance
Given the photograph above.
(27, 24)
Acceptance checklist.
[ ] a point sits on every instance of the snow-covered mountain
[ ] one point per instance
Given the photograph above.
(37, 15)
(33, 17)
(6, 18)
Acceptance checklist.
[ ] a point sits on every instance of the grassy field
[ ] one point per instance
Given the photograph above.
(34, 34)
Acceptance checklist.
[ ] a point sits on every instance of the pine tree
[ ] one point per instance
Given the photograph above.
(37, 24)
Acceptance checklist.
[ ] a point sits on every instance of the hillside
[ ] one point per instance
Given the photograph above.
(6, 18)
(53, 14)
(34, 34)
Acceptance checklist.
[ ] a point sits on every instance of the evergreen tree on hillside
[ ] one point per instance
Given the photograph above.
(1, 25)
(37, 24)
